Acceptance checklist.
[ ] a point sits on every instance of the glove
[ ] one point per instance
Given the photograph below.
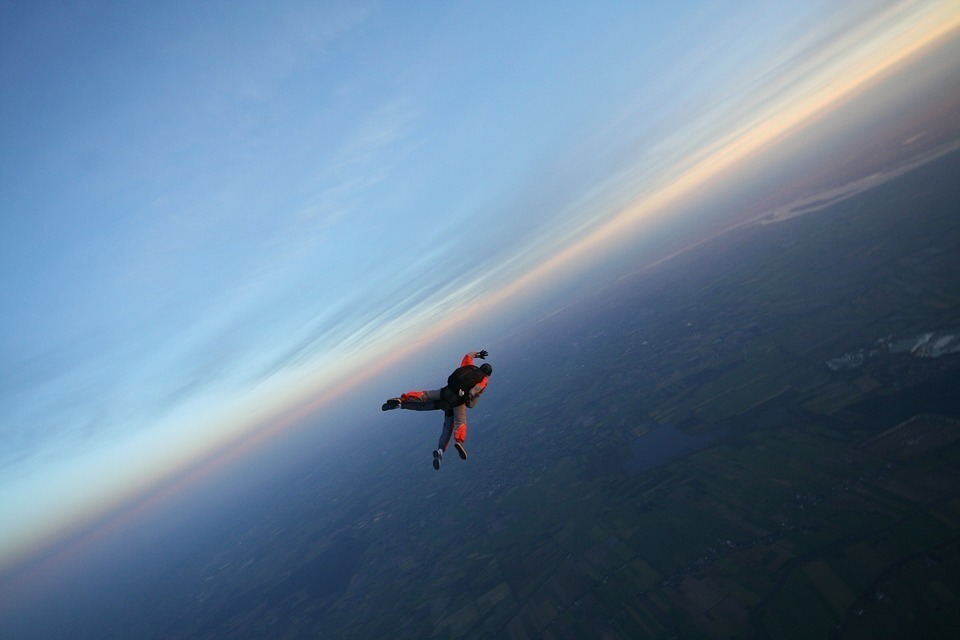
(482, 354)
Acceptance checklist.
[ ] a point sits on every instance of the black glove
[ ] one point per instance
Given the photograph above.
(482, 354)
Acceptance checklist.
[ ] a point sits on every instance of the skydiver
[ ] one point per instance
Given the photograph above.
(463, 390)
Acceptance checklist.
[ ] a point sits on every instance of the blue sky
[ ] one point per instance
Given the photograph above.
(213, 213)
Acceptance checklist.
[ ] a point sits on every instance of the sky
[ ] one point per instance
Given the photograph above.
(218, 218)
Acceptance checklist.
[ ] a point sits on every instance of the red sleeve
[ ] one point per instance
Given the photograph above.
(467, 359)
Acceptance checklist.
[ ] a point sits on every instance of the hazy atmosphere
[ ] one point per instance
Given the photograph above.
(221, 221)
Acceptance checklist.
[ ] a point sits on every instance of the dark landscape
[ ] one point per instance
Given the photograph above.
(755, 439)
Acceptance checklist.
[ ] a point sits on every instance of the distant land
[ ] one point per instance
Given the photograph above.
(834, 195)
(729, 444)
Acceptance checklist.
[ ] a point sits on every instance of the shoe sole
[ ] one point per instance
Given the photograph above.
(461, 450)
(436, 461)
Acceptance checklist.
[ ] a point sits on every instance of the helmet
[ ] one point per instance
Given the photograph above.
(486, 368)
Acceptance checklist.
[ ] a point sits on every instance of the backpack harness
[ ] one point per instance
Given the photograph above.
(465, 378)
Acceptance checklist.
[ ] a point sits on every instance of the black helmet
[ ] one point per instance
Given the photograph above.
(486, 368)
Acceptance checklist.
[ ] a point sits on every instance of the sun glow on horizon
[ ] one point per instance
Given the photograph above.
(867, 63)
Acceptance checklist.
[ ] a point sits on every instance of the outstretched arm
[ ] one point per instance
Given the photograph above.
(468, 359)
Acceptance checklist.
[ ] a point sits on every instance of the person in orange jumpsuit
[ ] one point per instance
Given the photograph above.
(464, 388)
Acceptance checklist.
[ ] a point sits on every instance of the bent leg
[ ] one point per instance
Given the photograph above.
(460, 423)
(460, 430)
(447, 431)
